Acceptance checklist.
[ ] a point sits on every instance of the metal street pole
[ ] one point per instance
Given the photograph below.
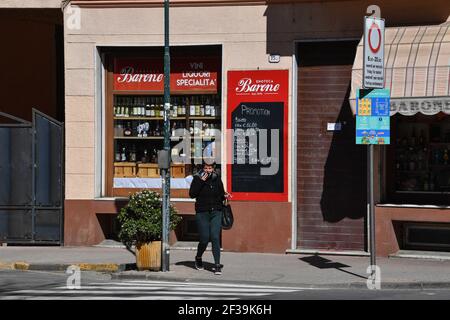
(372, 209)
(165, 173)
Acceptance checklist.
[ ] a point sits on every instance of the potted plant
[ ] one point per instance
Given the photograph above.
(141, 225)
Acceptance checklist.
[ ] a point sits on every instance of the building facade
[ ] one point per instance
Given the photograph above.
(318, 203)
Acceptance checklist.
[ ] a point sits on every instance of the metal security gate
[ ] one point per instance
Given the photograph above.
(31, 180)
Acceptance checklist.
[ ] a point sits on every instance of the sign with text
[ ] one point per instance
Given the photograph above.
(373, 116)
(373, 61)
(257, 140)
(147, 74)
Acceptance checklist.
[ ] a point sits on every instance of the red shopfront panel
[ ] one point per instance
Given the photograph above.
(257, 134)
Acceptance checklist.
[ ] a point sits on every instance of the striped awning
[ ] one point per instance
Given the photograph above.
(417, 69)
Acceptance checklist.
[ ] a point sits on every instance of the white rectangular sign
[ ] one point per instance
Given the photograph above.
(373, 65)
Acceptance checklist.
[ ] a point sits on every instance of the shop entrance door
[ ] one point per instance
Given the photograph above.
(31, 184)
(331, 168)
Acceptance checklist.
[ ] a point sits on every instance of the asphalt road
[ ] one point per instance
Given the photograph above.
(33, 285)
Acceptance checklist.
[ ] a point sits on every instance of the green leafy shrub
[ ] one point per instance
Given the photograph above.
(141, 219)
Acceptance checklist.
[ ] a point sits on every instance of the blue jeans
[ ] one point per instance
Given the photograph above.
(209, 224)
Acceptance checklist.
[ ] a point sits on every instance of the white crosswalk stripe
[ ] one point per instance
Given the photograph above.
(151, 290)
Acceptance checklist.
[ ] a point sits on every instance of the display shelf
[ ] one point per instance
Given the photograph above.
(203, 118)
(413, 171)
(148, 118)
(139, 138)
(440, 144)
(415, 148)
(422, 192)
(126, 106)
(440, 166)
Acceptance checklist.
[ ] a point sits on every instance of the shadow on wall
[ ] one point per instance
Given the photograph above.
(345, 176)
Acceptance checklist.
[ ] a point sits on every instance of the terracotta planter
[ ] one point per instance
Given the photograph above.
(148, 256)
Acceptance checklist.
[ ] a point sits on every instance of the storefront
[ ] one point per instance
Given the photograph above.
(114, 101)
(315, 202)
(414, 178)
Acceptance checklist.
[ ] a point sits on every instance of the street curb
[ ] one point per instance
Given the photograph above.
(158, 276)
(6, 266)
(120, 272)
(97, 267)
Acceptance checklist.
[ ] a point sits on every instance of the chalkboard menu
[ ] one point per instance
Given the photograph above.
(257, 126)
(257, 118)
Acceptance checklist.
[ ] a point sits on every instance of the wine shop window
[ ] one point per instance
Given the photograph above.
(138, 135)
(422, 156)
(136, 125)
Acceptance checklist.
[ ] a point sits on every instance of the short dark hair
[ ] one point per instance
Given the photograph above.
(212, 164)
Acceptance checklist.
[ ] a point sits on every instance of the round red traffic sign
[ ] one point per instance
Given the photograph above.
(374, 29)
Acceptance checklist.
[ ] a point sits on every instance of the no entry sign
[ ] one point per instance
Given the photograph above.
(373, 67)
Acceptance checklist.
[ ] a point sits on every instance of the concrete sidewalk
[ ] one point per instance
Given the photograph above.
(59, 258)
(274, 269)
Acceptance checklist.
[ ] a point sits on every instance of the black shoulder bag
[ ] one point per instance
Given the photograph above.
(227, 216)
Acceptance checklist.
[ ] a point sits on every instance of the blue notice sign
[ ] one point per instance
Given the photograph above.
(372, 116)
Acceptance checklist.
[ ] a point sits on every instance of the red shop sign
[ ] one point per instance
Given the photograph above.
(147, 74)
(257, 112)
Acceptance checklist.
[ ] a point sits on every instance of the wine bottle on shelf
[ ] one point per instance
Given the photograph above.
(202, 106)
(147, 110)
(218, 109)
(183, 107)
(143, 106)
(127, 131)
(128, 106)
(116, 130)
(119, 105)
(422, 138)
(431, 183)
(192, 106)
(145, 157)
(152, 108)
(174, 128)
(156, 107)
(175, 108)
(207, 108)
(179, 107)
(138, 107)
(161, 107)
(197, 106)
(191, 127)
(133, 154)
(123, 107)
(131, 107)
(213, 108)
(197, 127)
(123, 156)
(154, 156)
(134, 107)
(118, 155)
(413, 140)
(157, 130)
